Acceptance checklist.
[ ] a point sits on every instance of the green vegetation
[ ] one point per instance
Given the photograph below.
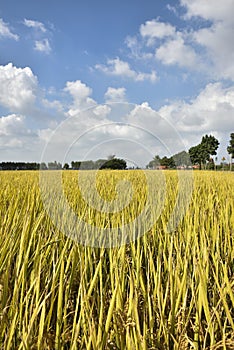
(230, 149)
(166, 290)
(180, 159)
(201, 154)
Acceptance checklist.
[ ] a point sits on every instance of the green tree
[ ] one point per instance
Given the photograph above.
(230, 149)
(210, 145)
(201, 154)
(43, 166)
(99, 163)
(168, 162)
(182, 159)
(75, 165)
(87, 165)
(115, 163)
(154, 162)
(197, 155)
(54, 165)
(66, 166)
(223, 162)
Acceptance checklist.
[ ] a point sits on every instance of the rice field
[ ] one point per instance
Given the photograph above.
(167, 289)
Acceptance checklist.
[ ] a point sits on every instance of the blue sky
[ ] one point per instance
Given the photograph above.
(174, 60)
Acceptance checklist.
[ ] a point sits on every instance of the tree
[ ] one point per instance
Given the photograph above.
(66, 166)
(157, 161)
(154, 162)
(75, 165)
(201, 154)
(19, 166)
(196, 155)
(87, 165)
(150, 165)
(54, 165)
(216, 158)
(223, 162)
(115, 163)
(43, 166)
(230, 149)
(99, 163)
(210, 145)
(182, 159)
(168, 162)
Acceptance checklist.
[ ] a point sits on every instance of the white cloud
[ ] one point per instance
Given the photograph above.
(18, 88)
(172, 9)
(219, 45)
(80, 93)
(35, 25)
(14, 135)
(138, 137)
(55, 104)
(5, 31)
(211, 110)
(173, 47)
(140, 131)
(135, 47)
(121, 68)
(207, 48)
(156, 29)
(101, 111)
(175, 51)
(217, 38)
(115, 94)
(42, 46)
(11, 124)
(209, 10)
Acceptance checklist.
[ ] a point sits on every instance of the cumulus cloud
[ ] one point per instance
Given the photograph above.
(42, 46)
(121, 68)
(140, 134)
(215, 38)
(8, 122)
(207, 48)
(16, 140)
(18, 88)
(215, 10)
(5, 31)
(101, 111)
(135, 47)
(163, 42)
(115, 94)
(41, 43)
(218, 42)
(11, 125)
(135, 132)
(211, 110)
(175, 51)
(55, 104)
(35, 25)
(155, 131)
(80, 93)
(156, 29)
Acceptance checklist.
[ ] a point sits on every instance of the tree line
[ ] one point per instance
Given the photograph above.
(110, 163)
(197, 156)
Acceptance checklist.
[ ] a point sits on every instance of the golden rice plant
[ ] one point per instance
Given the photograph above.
(163, 290)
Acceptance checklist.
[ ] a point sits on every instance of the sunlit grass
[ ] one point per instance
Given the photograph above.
(166, 290)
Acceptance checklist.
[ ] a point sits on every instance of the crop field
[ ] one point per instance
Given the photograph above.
(164, 289)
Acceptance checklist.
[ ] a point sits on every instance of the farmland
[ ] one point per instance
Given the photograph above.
(168, 289)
